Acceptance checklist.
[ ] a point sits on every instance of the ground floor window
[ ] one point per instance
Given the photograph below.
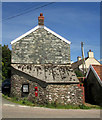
(25, 88)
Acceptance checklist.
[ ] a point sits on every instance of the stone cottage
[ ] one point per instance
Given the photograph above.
(41, 69)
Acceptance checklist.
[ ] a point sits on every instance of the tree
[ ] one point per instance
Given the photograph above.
(6, 61)
(79, 73)
(0, 64)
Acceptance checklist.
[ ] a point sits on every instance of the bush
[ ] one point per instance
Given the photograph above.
(6, 61)
(78, 73)
(83, 107)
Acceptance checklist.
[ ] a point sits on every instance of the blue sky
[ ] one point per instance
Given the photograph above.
(74, 21)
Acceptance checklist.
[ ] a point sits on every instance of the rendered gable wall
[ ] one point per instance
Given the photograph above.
(88, 62)
(41, 47)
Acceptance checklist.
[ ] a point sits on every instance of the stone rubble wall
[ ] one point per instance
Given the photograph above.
(41, 47)
(47, 93)
(18, 79)
(65, 94)
(48, 72)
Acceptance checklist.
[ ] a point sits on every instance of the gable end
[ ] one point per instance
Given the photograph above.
(37, 27)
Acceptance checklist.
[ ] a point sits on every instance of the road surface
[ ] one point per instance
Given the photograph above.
(12, 110)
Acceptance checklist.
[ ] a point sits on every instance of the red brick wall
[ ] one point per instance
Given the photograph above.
(83, 92)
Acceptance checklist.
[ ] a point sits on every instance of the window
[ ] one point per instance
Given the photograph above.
(25, 88)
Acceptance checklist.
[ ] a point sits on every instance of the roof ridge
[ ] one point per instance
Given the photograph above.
(35, 28)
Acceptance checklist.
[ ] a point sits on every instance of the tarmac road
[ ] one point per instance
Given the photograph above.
(12, 110)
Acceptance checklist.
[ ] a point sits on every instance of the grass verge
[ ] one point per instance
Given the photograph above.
(24, 101)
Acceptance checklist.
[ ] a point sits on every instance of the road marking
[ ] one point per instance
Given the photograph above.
(22, 106)
(9, 105)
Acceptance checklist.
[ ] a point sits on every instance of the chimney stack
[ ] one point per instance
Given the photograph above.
(41, 19)
(90, 54)
(78, 58)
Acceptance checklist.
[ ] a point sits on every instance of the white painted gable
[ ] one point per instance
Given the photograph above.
(35, 28)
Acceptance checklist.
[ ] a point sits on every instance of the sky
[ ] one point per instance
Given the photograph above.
(77, 22)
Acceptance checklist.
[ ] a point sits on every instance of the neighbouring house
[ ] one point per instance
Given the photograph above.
(93, 85)
(78, 65)
(41, 68)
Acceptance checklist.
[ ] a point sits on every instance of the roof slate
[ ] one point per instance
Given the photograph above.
(49, 73)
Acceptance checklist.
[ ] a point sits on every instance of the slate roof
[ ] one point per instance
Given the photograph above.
(48, 73)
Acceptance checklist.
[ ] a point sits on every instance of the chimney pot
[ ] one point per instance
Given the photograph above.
(41, 19)
(41, 14)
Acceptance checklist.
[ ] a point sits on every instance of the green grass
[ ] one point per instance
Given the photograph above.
(93, 106)
(53, 105)
(59, 106)
(24, 101)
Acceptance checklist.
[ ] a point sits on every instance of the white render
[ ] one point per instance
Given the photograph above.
(88, 62)
(78, 58)
(90, 54)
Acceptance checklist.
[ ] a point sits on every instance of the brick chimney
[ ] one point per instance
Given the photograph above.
(41, 19)
(90, 54)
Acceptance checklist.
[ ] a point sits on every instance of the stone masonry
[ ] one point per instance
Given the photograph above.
(41, 47)
(66, 93)
(41, 58)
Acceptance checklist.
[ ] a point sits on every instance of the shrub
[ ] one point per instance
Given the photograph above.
(78, 73)
(84, 106)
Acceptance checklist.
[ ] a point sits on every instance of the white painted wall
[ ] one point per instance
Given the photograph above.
(90, 61)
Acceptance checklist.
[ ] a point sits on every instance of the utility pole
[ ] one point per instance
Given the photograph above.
(83, 58)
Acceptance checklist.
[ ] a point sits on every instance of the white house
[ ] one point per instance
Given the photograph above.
(78, 65)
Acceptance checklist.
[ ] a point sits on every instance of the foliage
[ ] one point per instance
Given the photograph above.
(0, 64)
(67, 106)
(6, 61)
(84, 106)
(78, 73)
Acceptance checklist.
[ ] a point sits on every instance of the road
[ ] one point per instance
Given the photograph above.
(12, 110)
